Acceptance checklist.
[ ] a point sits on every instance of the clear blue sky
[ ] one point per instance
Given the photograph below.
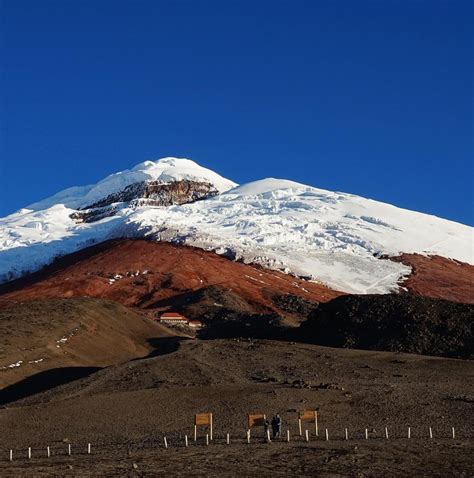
(368, 97)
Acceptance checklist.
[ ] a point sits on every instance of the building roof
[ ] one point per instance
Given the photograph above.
(172, 315)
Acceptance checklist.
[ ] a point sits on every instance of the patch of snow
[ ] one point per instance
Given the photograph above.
(36, 361)
(63, 340)
(12, 365)
(255, 280)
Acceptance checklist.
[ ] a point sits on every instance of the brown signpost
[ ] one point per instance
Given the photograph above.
(308, 416)
(255, 420)
(203, 419)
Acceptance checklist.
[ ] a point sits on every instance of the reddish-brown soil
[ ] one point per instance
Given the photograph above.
(170, 271)
(438, 277)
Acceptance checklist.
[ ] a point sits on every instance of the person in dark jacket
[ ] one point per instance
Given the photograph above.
(276, 426)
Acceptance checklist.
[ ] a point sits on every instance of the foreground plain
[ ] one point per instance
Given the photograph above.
(126, 410)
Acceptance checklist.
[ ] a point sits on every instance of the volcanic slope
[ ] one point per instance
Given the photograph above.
(70, 337)
(334, 238)
(438, 277)
(158, 276)
(393, 322)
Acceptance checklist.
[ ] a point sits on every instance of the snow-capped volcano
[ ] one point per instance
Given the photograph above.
(331, 237)
(164, 171)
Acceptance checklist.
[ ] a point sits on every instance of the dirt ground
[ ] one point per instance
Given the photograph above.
(397, 458)
(124, 411)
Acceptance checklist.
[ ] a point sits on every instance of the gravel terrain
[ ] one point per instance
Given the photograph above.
(126, 410)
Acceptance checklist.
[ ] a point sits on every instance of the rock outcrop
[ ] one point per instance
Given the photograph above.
(146, 193)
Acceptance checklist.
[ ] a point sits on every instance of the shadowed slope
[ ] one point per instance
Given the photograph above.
(52, 334)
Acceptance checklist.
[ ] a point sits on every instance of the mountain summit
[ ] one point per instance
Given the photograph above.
(334, 238)
(165, 170)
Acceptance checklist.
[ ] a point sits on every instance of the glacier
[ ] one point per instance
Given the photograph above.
(334, 238)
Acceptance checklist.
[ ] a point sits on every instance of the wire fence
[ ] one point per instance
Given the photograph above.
(254, 436)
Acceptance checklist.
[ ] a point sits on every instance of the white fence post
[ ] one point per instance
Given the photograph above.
(248, 436)
(306, 432)
(431, 433)
(288, 435)
(299, 427)
(165, 441)
(454, 436)
(11, 455)
(386, 433)
(366, 434)
(29, 453)
(327, 435)
(88, 448)
(69, 449)
(207, 439)
(186, 441)
(346, 434)
(48, 452)
(228, 439)
(409, 432)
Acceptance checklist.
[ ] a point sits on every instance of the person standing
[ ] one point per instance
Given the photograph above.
(276, 426)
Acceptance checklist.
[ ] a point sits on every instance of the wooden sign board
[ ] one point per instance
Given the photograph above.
(256, 420)
(308, 415)
(203, 419)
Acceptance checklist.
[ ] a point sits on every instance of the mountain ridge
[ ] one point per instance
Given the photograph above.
(329, 237)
